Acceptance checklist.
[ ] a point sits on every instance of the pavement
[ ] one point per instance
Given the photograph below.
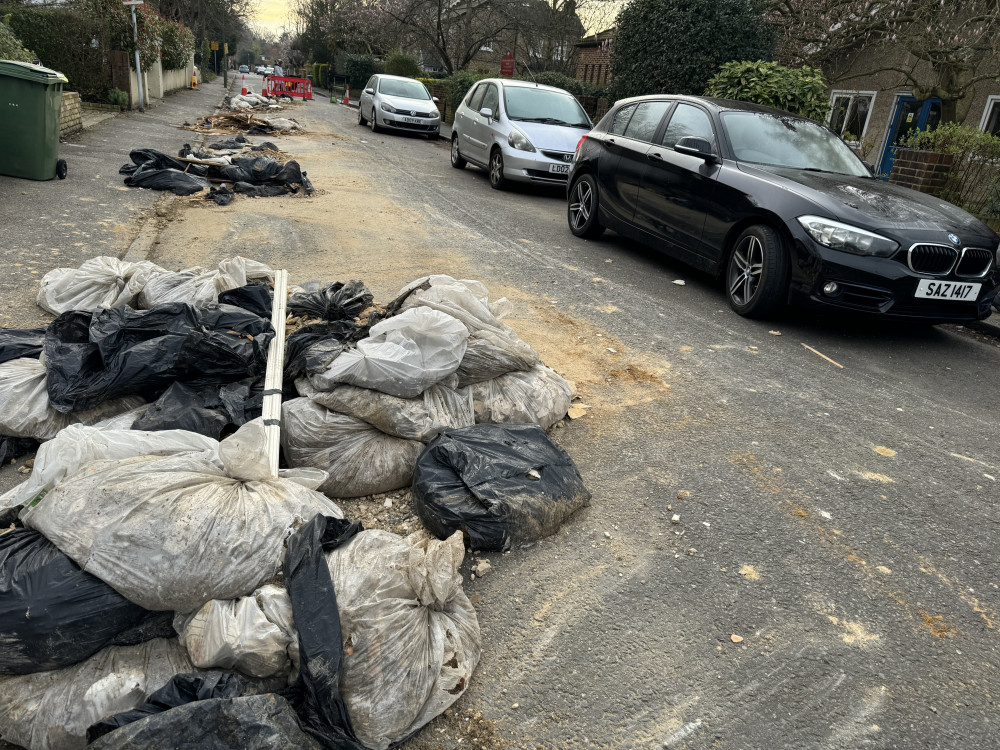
(91, 212)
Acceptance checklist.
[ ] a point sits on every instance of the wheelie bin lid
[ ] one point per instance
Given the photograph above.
(36, 73)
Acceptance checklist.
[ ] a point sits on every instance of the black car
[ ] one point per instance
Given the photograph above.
(781, 208)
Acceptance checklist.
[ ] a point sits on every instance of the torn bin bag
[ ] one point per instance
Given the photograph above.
(20, 343)
(360, 459)
(53, 615)
(504, 485)
(255, 298)
(253, 722)
(173, 532)
(411, 636)
(52, 710)
(92, 358)
(402, 356)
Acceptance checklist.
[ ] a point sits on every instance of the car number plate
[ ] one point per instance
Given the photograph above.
(949, 290)
(559, 168)
(411, 119)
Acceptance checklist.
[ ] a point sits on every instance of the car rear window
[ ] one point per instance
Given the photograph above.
(620, 121)
(646, 120)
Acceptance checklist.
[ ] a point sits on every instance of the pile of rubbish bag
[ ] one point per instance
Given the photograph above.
(160, 584)
(235, 167)
(243, 120)
(254, 101)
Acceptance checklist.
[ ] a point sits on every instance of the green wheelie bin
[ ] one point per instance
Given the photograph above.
(30, 104)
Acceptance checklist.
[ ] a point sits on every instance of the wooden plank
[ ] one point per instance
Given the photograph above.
(275, 371)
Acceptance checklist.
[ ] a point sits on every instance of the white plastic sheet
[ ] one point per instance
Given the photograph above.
(360, 459)
(539, 395)
(99, 282)
(403, 356)
(201, 286)
(24, 403)
(254, 634)
(173, 532)
(440, 407)
(52, 710)
(494, 348)
(411, 636)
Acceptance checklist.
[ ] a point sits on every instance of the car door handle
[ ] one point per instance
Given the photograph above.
(611, 140)
(654, 156)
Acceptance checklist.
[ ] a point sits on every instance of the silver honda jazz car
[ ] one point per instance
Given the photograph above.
(517, 130)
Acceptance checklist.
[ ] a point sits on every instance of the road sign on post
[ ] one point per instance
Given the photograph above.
(507, 65)
(138, 65)
(215, 46)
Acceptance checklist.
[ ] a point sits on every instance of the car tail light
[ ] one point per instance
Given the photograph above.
(580, 142)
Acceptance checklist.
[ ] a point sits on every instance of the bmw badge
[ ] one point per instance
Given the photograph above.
(954, 239)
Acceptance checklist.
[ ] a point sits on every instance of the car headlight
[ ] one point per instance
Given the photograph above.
(850, 239)
(435, 113)
(519, 140)
(388, 108)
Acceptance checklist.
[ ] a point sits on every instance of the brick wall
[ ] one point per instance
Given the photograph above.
(925, 171)
(70, 118)
(593, 65)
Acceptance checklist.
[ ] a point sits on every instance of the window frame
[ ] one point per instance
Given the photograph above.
(851, 94)
(991, 101)
(661, 132)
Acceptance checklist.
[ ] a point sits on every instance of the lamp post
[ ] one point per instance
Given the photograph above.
(138, 65)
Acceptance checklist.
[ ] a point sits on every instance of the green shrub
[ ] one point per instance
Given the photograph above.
(676, 46)
(359, 68)
(401, 64)
(801, 91)
(119, 97)
(973, 180)
(177, 45)
(11, 47)
(458, 84)
(572, 85)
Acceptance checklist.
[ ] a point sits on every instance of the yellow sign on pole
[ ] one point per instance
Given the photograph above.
(226, 50)
(215, 46)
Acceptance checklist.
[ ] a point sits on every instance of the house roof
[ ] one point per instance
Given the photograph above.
(595, 40)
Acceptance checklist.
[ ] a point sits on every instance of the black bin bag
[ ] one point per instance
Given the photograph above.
(54, 615)
(503, 485)
(16, 343)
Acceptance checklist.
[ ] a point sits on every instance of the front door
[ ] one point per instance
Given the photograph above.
(910, 115)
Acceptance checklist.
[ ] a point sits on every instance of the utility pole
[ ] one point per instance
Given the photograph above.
(135, 37)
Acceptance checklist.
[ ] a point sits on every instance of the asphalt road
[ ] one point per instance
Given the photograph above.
(841, 520)
(831, 580)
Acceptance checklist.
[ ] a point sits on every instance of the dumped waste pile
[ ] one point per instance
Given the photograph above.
(245, 121)
(161, 583)
(224, 168)
(251, 100)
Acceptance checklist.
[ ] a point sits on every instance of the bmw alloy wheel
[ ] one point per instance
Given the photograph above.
(745, 270)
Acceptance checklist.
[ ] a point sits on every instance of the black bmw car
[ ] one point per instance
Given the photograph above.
(781, 208)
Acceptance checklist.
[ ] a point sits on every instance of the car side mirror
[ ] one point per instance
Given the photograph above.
(487, 113)
(369, 91)
(435, 99)
(694, 146)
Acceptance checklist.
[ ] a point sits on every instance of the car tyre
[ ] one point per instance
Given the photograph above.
(497, 180)
(373, 122)
(361, 117)
(456, 156)
(757, 273)
(581, 209)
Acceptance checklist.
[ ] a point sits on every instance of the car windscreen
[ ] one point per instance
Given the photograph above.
(405, 89)
(777, 141)
(542, 105)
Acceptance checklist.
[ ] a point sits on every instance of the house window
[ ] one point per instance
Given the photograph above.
(991, 116)
(849, 113)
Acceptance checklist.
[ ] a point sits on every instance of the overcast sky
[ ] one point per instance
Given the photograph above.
(272, 15)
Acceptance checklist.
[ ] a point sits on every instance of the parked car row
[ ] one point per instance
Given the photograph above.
(775, 205)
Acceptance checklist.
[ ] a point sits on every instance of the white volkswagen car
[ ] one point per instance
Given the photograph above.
(517, 130)
(398, 103)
